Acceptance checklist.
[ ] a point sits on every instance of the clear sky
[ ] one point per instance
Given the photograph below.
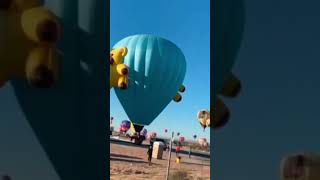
(185, 23)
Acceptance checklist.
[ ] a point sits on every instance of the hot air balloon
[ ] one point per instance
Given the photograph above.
(165, 130)
(181, 139)
(228, 29)
(202, 141)
(178, 149)
(178, 134)
(111, 120)
(152, 135)
(204, 118)
(157, 68)
(143, 132)
(301, 166)
(28, 44)
(125, 126)
(194, 136)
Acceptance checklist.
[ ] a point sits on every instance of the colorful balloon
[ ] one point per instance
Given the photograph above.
(204, 118)
(157, 69)
(181, 139)
(178, 148)
(152, 135)
(203, 141)
(125, 126)
(143, 132)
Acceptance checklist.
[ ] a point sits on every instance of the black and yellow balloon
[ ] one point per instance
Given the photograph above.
(28, 36)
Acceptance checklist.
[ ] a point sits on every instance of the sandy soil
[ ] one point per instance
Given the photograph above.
(128, 162)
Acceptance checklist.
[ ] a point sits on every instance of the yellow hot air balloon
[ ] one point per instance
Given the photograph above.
(204, 118)
(28, 36)
(118, 70)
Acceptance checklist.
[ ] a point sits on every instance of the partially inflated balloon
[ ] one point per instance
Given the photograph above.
(157, 69)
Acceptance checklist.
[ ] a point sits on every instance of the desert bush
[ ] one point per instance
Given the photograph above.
(179, 175)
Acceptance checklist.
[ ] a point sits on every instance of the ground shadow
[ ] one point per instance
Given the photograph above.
(195, 164)
(127, 160)
(131, 161)
(123, 156)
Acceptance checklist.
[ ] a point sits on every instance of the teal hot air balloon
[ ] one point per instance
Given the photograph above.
(228, 26)
(157, 68)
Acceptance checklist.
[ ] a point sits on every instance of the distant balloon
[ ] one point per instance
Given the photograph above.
(204, 118)
(166, 130)
(178, 148)
(125, 126)
(303, 166)
(143, 132)
(157, 69)
(194, 136)
(202, 141)
(152, 135)
(181, 139)
(178, 134)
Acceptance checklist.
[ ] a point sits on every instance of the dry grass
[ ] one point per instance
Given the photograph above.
(179, 175)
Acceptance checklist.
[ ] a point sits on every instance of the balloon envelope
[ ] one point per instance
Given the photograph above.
(178, 148)
(157, 69)
(152, 135)
(202, 141)
(125, 125)
(181, 139)
(228, 28)
(143, 132)
(204, 117)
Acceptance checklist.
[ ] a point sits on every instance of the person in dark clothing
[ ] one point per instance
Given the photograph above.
(150, 149)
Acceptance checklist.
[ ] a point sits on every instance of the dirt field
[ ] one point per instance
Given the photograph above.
(128, 162)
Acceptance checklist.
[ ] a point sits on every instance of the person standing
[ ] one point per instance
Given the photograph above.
(150, 149)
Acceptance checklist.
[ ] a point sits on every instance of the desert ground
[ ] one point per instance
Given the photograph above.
(128, 162)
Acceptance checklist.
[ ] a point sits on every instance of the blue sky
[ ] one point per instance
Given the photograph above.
(187, 24)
